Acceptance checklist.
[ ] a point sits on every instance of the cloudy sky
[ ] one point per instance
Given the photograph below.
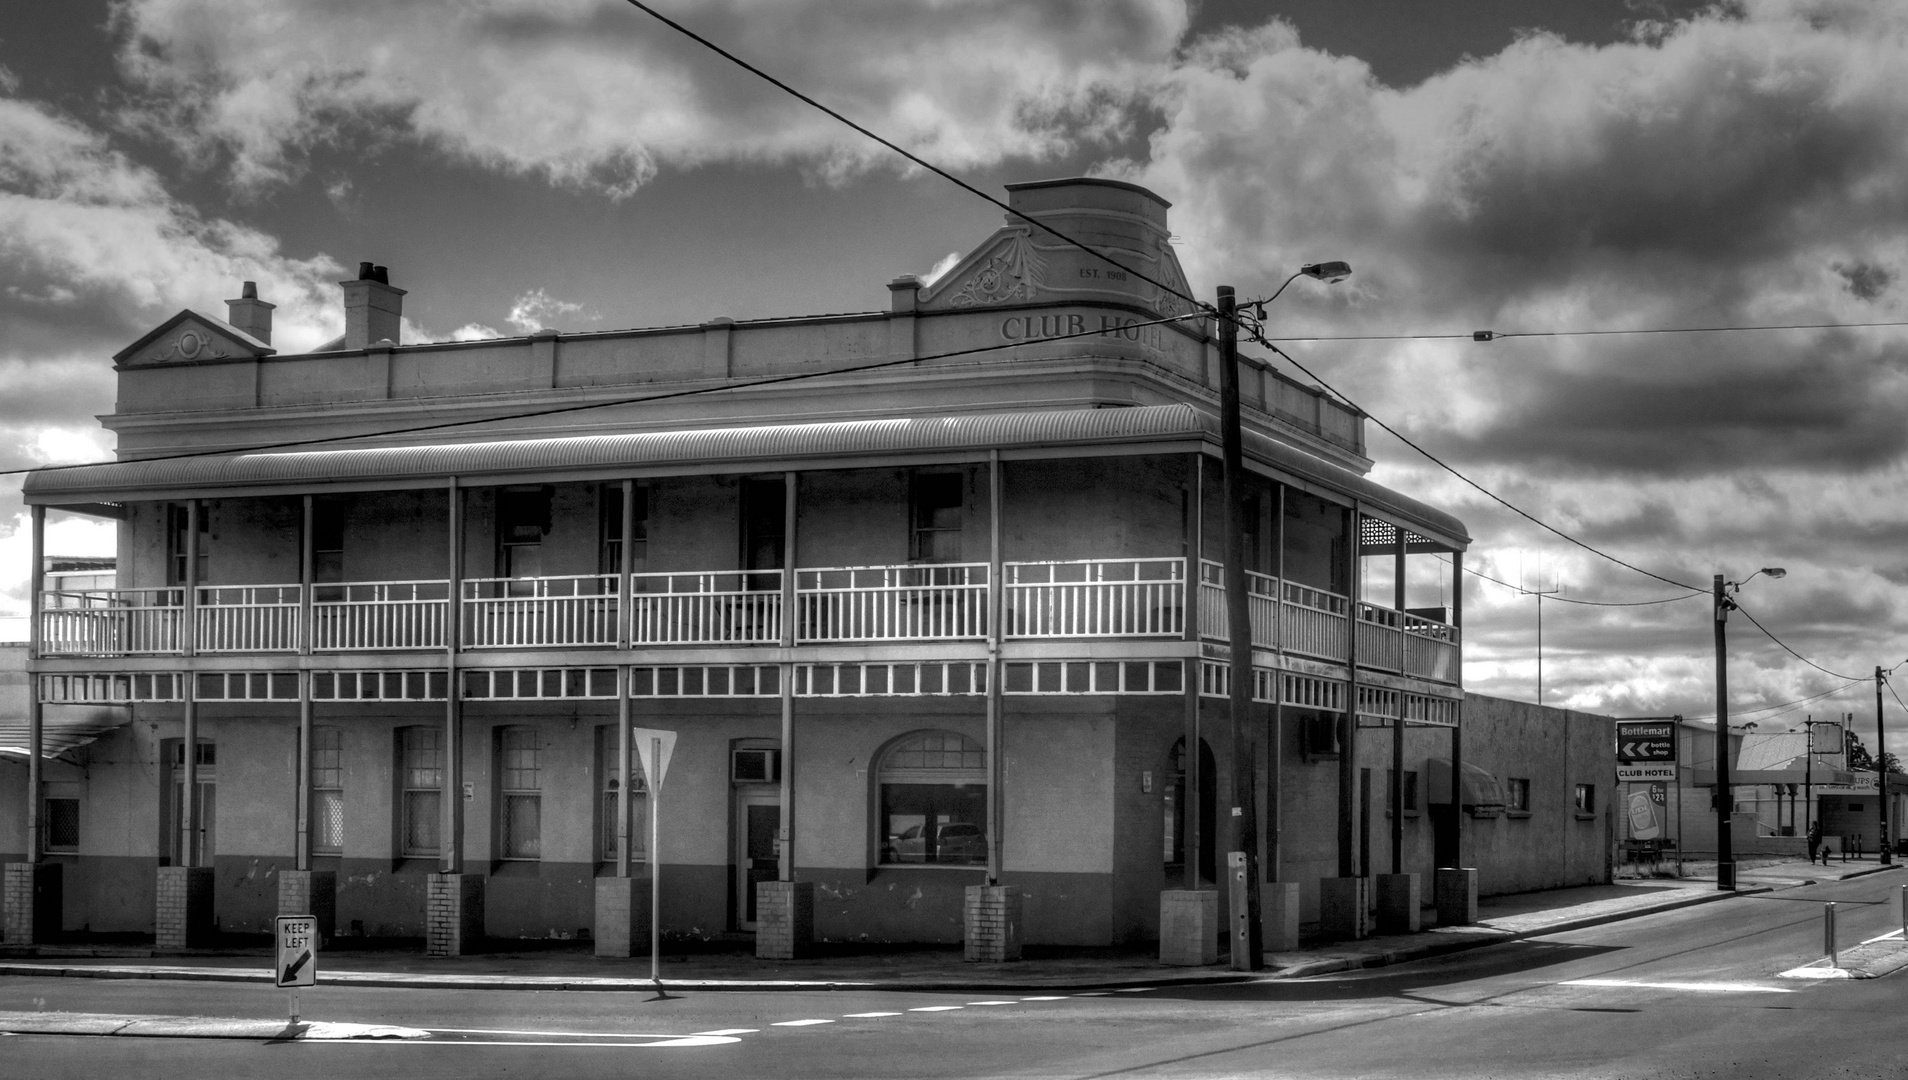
(1526, 166)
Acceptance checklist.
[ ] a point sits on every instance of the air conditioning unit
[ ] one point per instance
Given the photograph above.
(756, 766)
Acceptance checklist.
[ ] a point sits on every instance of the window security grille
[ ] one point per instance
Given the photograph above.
(327, 791)
(62, 825)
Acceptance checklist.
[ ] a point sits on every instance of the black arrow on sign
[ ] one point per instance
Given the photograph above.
(291, 969)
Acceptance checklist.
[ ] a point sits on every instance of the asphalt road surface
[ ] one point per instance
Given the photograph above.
(1689, 993)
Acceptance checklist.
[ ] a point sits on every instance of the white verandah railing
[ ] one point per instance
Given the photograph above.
(362, 616)
(710, 607)
(919, 602)
(247, 618)
(503, 613)
(1096, 598)
(112, 622)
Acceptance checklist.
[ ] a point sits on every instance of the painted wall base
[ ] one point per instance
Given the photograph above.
(993, 922)
(1457, 895)
(454, 915)
(314, 893)
(1398, 904)
(1344, 908)
(183, 916)
(1279, 915)
(622, 917)
(1189, 927)
(784, 919)
(34, 896)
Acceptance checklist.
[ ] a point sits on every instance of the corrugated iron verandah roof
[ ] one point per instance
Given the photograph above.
(506, 460)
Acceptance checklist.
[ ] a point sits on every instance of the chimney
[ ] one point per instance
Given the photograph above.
(373, 308)
(250, 314)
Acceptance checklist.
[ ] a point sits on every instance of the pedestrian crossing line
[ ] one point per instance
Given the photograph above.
(867, 1015)
(800, 1023)
(1694, 987)
(936, 1008)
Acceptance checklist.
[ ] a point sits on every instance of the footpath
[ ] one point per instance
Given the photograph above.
(730, 966)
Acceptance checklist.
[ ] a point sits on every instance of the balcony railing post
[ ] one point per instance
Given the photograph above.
(625, 627)
(189, 633)
(306, 577)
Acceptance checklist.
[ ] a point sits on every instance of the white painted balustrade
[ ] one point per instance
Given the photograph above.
(363, 616)
(1096, 598)
(923, 602)
(112, 622)
(713, 607)
(247, 618)
(515, 613)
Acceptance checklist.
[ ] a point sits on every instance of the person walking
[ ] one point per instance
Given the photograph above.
(1815, 842)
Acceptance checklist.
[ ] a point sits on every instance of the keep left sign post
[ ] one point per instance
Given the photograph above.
(295, 957)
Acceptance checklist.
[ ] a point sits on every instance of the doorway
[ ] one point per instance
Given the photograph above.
(204, 806)
(1176, 812)
(758, 818)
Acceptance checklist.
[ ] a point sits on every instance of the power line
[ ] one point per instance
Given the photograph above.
(1493, 496)
(1500, 335)
(1784, 705)
(1792, 652)
(1567, 600)
(559, 409)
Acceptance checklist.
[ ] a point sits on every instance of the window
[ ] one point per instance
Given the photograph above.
(763, 532)
(521, 807)
(1517, 797)
(327, 791)
(610, 559)
(422, 775)
(612, 783)
(177, 518)
(934, 801)
(934, 505)
(327, 539)
(1586, 798)
(523, 520)
(1410, 805)
(62, 826)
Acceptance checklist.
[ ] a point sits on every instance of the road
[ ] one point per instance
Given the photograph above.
(1688, 993)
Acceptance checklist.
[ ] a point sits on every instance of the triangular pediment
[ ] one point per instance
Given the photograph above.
(1021, 264)
(190, 337)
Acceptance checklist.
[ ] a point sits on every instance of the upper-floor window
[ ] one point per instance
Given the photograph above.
(327, 791)
(1586, 798)
(327, 539)
(934, 800)
(610, 558)
(519, 775)
(421, 783)
(523, 520)
(1517, 795)
(764, 532)
(934, 508)
(177, 518)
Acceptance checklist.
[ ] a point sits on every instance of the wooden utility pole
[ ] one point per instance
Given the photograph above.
(1248, 942)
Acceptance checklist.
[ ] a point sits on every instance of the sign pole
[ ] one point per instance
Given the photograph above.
(655, 867)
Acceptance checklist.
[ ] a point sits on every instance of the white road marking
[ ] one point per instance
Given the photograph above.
(1698, 987)
(870, 1014)
(993, 1002)
(730, 1031)
(677, 1041)
(1884, 937)
(1093, 993)
(1136, 990)
(935, 1008)
(800, 1023)
(556, 1034)
(1053, 997)
(1812, 971)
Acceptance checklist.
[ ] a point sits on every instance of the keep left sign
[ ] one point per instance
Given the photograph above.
(295, 959)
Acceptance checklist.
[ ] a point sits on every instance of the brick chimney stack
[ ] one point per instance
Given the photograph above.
(250, 314)
(373, 308)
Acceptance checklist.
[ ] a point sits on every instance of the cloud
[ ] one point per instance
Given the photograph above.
(531, 310)
(597, 95)
(942, 266)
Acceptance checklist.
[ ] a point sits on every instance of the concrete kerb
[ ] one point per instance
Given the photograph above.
(1486, 936)
(196, 1027)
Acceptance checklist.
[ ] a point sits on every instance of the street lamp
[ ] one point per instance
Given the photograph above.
(1248, 940)
(1725, 798)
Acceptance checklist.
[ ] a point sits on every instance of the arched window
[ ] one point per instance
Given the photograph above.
(934, 801)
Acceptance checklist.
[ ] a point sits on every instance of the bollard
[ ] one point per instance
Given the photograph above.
(1828, 933)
